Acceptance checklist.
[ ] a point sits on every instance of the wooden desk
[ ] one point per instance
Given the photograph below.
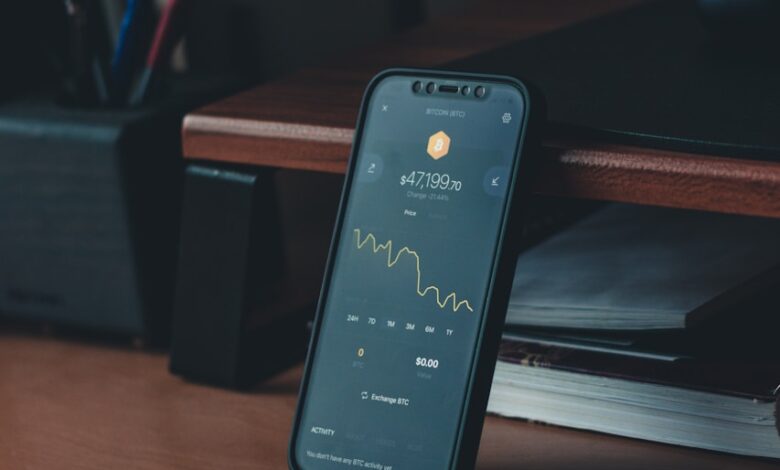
(69, 405)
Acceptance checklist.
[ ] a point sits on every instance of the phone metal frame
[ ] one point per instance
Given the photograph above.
(497, 296)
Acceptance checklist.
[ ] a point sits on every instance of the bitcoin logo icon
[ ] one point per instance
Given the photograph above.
(438, 145)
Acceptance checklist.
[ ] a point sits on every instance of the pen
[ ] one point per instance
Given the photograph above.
(168, 31)
(112, 12)
(86, 83)
(128, 44)
(76, 85)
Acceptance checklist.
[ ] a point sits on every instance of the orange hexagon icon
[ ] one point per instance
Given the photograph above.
(438, 145)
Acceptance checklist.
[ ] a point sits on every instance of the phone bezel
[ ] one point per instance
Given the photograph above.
(483, 359)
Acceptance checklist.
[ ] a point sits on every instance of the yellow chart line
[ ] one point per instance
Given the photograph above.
(391, 261)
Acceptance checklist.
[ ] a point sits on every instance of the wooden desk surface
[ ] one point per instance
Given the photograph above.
(70, 405)
(306, 121)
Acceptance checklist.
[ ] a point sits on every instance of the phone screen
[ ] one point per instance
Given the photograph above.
(407, 290)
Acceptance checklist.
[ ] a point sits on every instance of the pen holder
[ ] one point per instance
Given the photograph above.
(89, 204)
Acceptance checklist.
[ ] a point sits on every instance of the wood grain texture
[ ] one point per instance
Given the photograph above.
(67, 405)
(306, 121)
(575, 169)
(663, 178)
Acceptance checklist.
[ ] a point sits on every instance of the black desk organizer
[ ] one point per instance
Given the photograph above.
(89, 204)
(236, 318)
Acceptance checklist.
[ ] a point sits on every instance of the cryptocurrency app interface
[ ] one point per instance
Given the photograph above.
(409, 282)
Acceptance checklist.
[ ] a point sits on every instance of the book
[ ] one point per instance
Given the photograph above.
(630, 267)
(749, 328)
(725, 405)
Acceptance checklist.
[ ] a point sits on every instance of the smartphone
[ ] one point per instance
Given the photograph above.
(406, 332)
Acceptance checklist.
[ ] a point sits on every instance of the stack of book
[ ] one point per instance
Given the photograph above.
(652, 323)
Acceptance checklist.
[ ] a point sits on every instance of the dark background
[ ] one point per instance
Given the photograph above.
(255, 39)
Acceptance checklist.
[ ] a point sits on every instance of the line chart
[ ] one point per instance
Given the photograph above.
(360, 242)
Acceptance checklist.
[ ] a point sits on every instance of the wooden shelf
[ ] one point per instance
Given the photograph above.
(574, 169)
(306, 121)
